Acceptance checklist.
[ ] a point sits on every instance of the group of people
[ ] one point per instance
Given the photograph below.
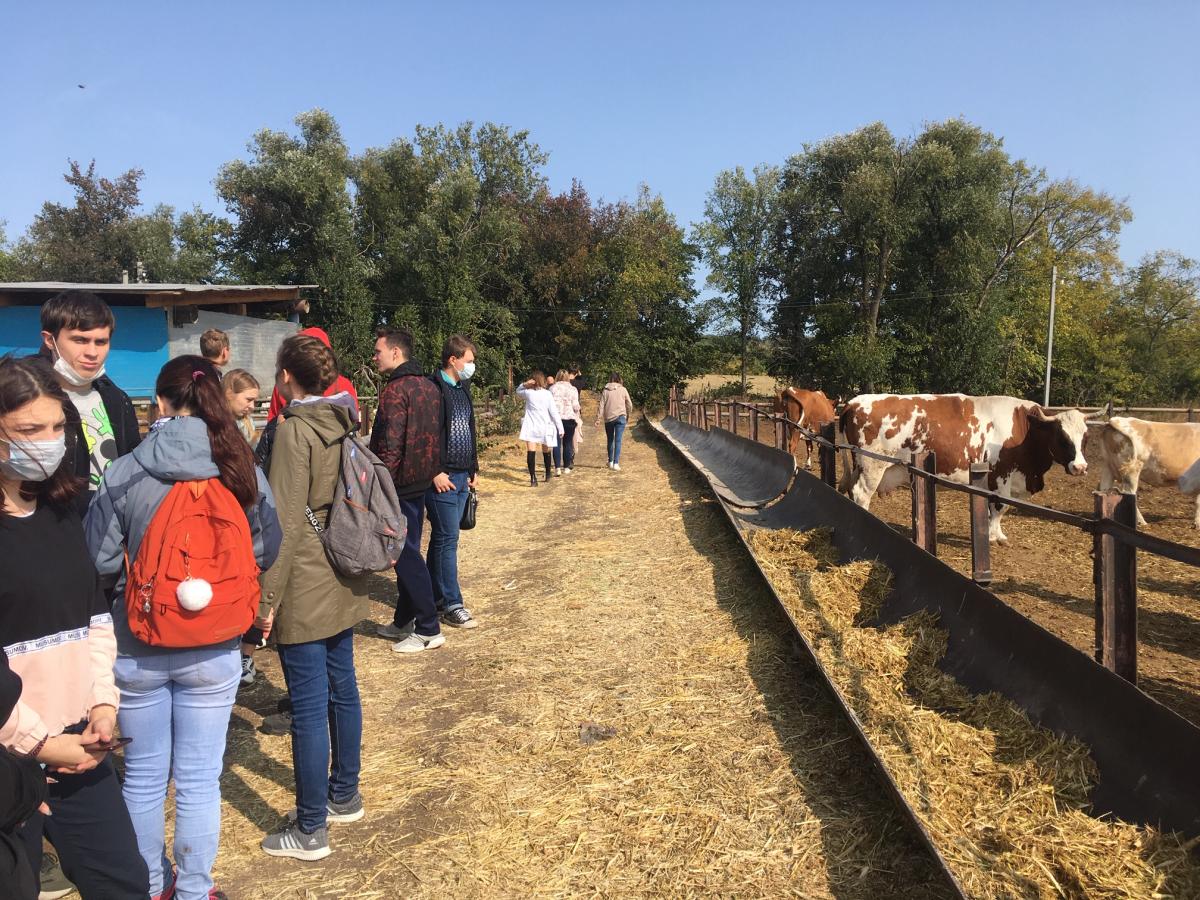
(553, 418)
(134, 571)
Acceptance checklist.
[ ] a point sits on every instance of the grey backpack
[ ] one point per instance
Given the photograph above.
(365, 530)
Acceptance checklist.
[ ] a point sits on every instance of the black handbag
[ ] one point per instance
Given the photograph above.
(468, 517)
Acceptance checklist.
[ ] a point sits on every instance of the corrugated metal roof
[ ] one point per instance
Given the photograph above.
(148, 288)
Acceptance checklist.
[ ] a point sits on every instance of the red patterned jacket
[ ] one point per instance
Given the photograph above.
(407, 433)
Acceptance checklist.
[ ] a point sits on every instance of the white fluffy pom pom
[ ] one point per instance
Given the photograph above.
(194, 594)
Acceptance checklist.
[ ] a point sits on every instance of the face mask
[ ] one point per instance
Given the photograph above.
(34, 460)
(467, 372)
(69, 375)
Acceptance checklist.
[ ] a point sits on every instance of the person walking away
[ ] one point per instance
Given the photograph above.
(214, 346)
(446, 498)
(407, 437)
(191, 483)
(56, 628)
(541, 427)
(77, 332)
(310, 607)
(341, 384)
(614, 411)
(22, 793)
(241, 393)
(566, 401)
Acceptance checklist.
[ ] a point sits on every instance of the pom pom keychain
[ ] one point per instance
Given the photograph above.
(194, 594)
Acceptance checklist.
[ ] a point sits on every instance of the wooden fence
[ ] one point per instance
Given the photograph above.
(1112, 525)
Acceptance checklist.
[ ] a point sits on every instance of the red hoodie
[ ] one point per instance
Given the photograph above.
(341, 383)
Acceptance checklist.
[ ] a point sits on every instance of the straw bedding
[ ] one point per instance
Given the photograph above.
(1004, 800)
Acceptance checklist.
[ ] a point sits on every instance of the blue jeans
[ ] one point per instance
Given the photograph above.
(176, 706)
(414, 587)
(326, 723)
(614, 431)
(445, 513)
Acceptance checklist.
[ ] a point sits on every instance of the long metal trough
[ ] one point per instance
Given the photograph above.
(742, 472)
(1145, 753)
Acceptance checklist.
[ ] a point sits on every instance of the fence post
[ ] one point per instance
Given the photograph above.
(827, 456)
(981, 548)
(924, 502)
(779, 434)
(733, 417)
(704, 414)
(754, 424)
(1191, 413)
(1108, 411)
(1115, 570)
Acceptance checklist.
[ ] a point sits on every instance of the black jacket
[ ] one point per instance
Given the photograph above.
(125, 432)
(447, 409)
(407, 433)
(22, 789)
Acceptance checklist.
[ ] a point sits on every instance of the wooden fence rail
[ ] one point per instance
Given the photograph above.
(1113, 529)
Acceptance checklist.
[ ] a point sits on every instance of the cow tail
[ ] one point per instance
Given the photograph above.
(849, 469)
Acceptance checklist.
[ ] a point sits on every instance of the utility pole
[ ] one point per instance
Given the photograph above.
(1050, 335)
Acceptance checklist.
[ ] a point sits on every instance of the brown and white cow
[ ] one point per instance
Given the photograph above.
(1131, 451)
(811, 409)
(1015, 437)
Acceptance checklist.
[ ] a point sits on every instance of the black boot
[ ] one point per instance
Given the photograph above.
(531, 462)
(546, 460)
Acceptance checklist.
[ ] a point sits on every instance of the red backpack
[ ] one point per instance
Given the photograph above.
(195, 579)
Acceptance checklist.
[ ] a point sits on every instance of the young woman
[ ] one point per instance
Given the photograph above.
(310, 608)
(241, 393)
(176, 703)
(57, 631)
(541, 426)
(615, 411)
(566, 401)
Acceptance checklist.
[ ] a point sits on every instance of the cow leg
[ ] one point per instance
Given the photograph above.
(867, 482)
(808, 458)
(1131, 485)
(1196, 521)
(1106, 477)
(996, 533)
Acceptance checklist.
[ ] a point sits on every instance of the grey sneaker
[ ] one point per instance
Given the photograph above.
(458, 618)
(294, 843)
(54, 882)
(415, 643)
(248, 670)
(395, 633)
(350, 811)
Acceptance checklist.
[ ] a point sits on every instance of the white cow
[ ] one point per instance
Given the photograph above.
(1131, 451)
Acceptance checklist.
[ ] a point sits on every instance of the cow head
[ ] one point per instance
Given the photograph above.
(1064, 434)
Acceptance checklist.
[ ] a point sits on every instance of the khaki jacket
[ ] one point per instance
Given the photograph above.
(311, 600)
(614, 402)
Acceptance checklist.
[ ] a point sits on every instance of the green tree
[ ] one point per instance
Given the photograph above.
(89, 240)
(294, 224)
(735, 241)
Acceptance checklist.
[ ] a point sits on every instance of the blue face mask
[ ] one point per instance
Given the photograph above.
(34, 460)
(467, 372)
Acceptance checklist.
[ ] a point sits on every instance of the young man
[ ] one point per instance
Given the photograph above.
(445, 499)
(214, 346)
(407, 437)
(77, 329)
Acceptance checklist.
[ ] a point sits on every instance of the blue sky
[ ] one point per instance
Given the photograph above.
(618, 93)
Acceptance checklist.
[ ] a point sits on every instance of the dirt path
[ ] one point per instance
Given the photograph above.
(609, 603)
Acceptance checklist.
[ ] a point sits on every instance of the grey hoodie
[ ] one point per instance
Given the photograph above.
(130, 494)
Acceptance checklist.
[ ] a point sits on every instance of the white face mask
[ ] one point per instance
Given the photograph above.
(34, 460)
(69, 375)
(467, 372)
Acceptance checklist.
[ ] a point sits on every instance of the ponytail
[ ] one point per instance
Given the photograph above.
(191, 383)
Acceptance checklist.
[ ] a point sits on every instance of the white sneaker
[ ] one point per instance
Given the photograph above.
(396, 634)
(616, 467)
(566, 471)
(610, 463)
(415, 643)
(558, 471)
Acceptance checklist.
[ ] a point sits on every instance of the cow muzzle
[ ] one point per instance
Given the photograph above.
(1076, 468)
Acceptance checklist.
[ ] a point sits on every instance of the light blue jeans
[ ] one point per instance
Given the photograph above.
(176, 707)
(614, 431)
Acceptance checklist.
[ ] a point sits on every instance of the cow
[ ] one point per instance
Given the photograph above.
(811, 409)
(1017, 438)
(1131, 451)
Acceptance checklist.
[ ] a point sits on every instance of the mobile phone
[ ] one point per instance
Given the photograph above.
(110, 745)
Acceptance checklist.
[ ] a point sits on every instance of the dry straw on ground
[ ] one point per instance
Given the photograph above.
(1004, 800)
